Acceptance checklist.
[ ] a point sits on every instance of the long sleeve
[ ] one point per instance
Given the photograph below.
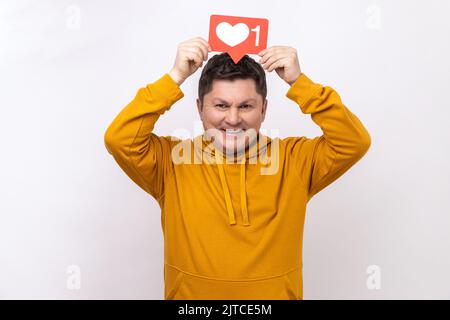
(321, 160)
(144, 156)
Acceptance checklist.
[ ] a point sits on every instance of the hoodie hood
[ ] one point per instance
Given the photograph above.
(213, 155)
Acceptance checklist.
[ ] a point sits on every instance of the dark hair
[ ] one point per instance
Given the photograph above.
(222, 67)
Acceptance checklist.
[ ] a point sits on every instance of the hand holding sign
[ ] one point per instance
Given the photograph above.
(237, 35)
(283, 60)
(190, 57)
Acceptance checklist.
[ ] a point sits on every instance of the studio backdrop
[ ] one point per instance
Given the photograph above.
(74, 226)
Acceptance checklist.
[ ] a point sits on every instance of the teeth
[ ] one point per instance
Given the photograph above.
(233, 131)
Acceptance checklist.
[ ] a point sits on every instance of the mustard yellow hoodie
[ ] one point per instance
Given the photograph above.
(234, 230)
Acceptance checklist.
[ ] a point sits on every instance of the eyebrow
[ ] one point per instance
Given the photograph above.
(227, 103)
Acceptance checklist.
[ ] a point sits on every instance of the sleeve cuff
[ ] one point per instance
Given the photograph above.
(303, 90)
(167, 89)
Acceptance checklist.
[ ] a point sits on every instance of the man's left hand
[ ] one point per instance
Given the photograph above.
(283, 60)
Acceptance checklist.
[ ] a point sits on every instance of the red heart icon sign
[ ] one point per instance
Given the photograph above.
(238, 35)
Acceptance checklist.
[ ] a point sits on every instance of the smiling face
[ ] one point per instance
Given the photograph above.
(232, 112)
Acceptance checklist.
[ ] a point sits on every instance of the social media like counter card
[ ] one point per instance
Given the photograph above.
(238, 35)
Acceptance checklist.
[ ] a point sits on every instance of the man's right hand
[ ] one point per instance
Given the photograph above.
(190, 57)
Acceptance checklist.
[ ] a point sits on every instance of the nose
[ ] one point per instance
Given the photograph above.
(233, 117)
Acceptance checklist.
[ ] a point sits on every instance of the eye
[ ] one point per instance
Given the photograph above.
(221, 106)
(246, 106)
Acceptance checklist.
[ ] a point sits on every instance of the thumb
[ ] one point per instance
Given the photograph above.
(198, 64)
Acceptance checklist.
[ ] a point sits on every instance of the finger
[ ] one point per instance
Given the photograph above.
(272, 59)
(268, 50)
(280, 48)
(194, 56)
(275, 49)
(198, 63)
(203, 42)
(207, 45)
(203, 49)
(264, 57)
(280, 53)
(198, 51)
(267, 57)
(269, 66)
(198, 42)
(278, 64)
(199, 45)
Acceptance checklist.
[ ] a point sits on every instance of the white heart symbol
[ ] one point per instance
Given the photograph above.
(232, 35)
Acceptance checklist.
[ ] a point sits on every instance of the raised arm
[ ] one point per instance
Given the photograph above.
(144, 156)
(344, 141)
(321, 160)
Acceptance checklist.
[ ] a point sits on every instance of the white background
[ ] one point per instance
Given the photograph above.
(68, 67)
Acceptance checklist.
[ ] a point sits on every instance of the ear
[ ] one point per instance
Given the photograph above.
(200, 108)
(264, 109)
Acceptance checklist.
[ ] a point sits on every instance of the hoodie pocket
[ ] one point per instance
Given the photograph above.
(172, 280)
(294, 284)
(180, 285)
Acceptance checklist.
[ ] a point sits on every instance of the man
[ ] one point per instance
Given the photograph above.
(234, 229)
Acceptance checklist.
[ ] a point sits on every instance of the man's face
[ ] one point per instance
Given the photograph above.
(236, 110)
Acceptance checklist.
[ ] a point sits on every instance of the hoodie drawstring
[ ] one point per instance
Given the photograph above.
(226, 192)
(243, 194)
